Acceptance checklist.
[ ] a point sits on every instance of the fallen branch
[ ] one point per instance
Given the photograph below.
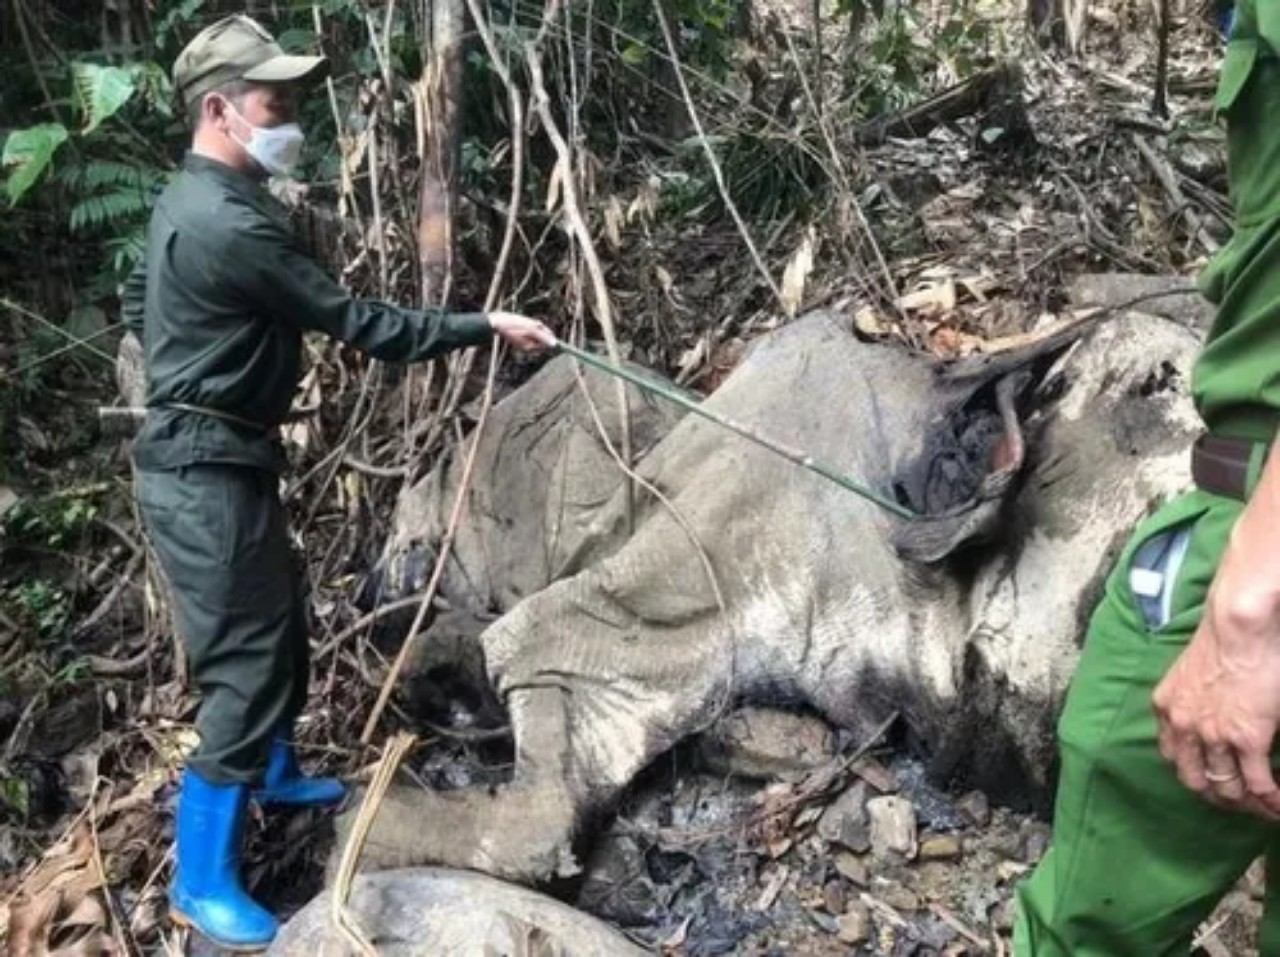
(395, 751)
(1178, 202)
(965, 99)
(108, 602)
(578, 225)
(455, 516)
(712, 161)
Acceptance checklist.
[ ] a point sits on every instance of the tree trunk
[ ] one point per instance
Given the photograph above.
(1058, 23)
(441, 105)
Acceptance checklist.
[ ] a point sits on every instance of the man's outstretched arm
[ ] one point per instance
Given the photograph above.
(266, 266)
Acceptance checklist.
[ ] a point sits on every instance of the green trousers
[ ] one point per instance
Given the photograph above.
(1137, 861)
(220, 536)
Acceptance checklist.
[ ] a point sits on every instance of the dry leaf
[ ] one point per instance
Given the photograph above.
(667, 284)
(797, 274)
(554, 186)
(614, 219)
(677, 937)
(940, 297)
(869, 324)
(58, 894)
(96, 944)
(691, 361)
(772, 889)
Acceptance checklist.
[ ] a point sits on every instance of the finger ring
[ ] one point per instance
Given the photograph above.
(1220, 778)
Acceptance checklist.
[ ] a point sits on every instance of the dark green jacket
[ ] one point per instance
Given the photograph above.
(221, 302)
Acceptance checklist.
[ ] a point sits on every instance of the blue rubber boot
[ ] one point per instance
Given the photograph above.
(284, 782)
(207, 894)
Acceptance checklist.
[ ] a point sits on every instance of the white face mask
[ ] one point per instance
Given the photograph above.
(276, 149)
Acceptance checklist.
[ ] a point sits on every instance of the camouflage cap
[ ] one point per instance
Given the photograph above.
(238, 48)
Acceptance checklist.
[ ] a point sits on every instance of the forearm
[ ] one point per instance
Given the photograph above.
(289, 286)
(1246, 590)
(394, 334)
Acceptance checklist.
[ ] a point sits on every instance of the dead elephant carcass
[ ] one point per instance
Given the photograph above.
(430, 912)
(747, 579)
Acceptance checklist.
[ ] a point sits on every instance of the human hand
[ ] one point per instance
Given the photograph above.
(523, 333)
(1219, 705)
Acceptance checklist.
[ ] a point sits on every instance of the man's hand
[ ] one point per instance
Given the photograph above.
(521, 332)
(1219, 705)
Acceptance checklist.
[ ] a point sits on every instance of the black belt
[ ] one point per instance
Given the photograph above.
(1221, 465)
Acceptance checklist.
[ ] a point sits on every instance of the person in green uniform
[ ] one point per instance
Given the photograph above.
(220, 303)
(1168, 787)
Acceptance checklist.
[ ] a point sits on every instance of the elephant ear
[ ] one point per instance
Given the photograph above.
(974, 451)
(961, 480)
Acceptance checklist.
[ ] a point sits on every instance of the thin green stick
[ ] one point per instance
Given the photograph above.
(689, 405)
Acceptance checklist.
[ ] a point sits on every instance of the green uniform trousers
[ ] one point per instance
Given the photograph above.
(220, 536)
(1137, 861)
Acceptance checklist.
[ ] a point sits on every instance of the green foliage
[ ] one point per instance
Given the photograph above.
(100, 92)
(27, 154)
(169, 27)
(49, 522)
(905, 58)
(770, 173)
(109, 195)
(44, 605)
(15, 795)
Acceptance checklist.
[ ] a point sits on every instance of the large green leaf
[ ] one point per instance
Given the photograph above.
(101, 91)
(29, 152)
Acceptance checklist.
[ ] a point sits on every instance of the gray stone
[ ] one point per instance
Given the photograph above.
(1035, 841)
(893, 827)
(898, 896)
(975, 809)
(855, 925)
(941, 847)
(834, 897)
(846, 822)
(616, 886)
(1002, 919)
(764, 743)
(853, 869)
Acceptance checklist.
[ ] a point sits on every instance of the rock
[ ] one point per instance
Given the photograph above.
(1194, 160)
(825, 922)
(834, 897)
(617, 886)
(975, 809)
(1183, 302)
(852, 869)
(1002, 919)
(877, 775)
(893, 827)
(1006, 844)
(845, 822)
(942, 847)
(855, 925)
(1007, 872)
(65, 726)
(763, 743)
(898, 896)
(1035, 841)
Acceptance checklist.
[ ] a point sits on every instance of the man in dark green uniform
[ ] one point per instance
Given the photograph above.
(221, 304)
(1167, 791)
